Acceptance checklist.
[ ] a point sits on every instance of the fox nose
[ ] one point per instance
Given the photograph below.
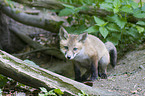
(68, 57)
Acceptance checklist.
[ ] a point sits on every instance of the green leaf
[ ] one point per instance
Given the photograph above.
(66, 12)
(1, 92)
(79, 94)
(79, 29)
(104, 32)
(114, 38)
(117, 3)
(119, 21)
(92, 29)
(116, 10)
(83, 92)
(141, 23)
(106, 6)
(40, 94)
(105, 24)
(133, 32)
(99, 21)
(3, 81)
(143, 8)
(51, 92)
(58, 91)
(113, 27)
(81, 8)
(126, 9)
(43, 89)
(134, 4)
(138, 14)
(68, 6)
(140, 29)
(109, 1)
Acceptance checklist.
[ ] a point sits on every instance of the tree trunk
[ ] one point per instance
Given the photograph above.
(38, 77)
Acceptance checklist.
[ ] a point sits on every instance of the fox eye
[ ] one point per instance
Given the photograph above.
(66, 47)
(75, 49)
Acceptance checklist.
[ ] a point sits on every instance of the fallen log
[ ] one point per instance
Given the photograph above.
(37, 77)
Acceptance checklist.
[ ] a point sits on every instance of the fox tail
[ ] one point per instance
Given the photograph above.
(113, 53)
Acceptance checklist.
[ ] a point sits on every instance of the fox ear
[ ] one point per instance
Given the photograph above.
(63, 33)
(82, 37)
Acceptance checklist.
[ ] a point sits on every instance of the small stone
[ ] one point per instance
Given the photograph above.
(134, 92)
(138, 89)
(142, 67)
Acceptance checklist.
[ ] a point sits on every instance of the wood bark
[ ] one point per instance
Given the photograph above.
(35, 76)
(31, 20)
(49, 4)
(91, 11)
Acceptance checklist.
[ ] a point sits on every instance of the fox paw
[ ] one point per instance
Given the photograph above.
(93, 78)
(90, 83)
(103, 76)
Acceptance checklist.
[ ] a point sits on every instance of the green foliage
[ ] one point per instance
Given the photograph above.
(81, 2)
(9, 3)
(114, 27)
(55, 92)
(82, 93)
(3, 80)
(142, 23)
(1, 92)
(103, 31)
(70, 10)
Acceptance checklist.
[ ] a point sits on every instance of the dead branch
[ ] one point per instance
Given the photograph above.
(31, 20)
(49, 4)
(50, 51)
(33, 51)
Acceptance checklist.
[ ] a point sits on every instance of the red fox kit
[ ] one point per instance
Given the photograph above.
(89, 52)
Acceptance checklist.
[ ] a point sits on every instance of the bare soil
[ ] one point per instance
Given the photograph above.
(128, 77)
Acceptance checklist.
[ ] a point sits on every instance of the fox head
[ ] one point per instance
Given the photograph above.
(71, 45)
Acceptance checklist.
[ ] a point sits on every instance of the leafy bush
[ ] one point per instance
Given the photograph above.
(57, 92)
(121, 22)
(3, 81)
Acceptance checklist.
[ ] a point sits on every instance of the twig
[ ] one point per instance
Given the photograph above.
(33, 51)
(52, 51)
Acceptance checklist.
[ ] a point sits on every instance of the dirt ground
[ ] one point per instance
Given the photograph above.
(128, 77)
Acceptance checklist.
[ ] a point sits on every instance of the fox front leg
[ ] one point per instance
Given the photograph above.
(77, 72)
(94, 70)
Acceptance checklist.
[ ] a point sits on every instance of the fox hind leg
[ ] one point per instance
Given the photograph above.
(103, 62)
